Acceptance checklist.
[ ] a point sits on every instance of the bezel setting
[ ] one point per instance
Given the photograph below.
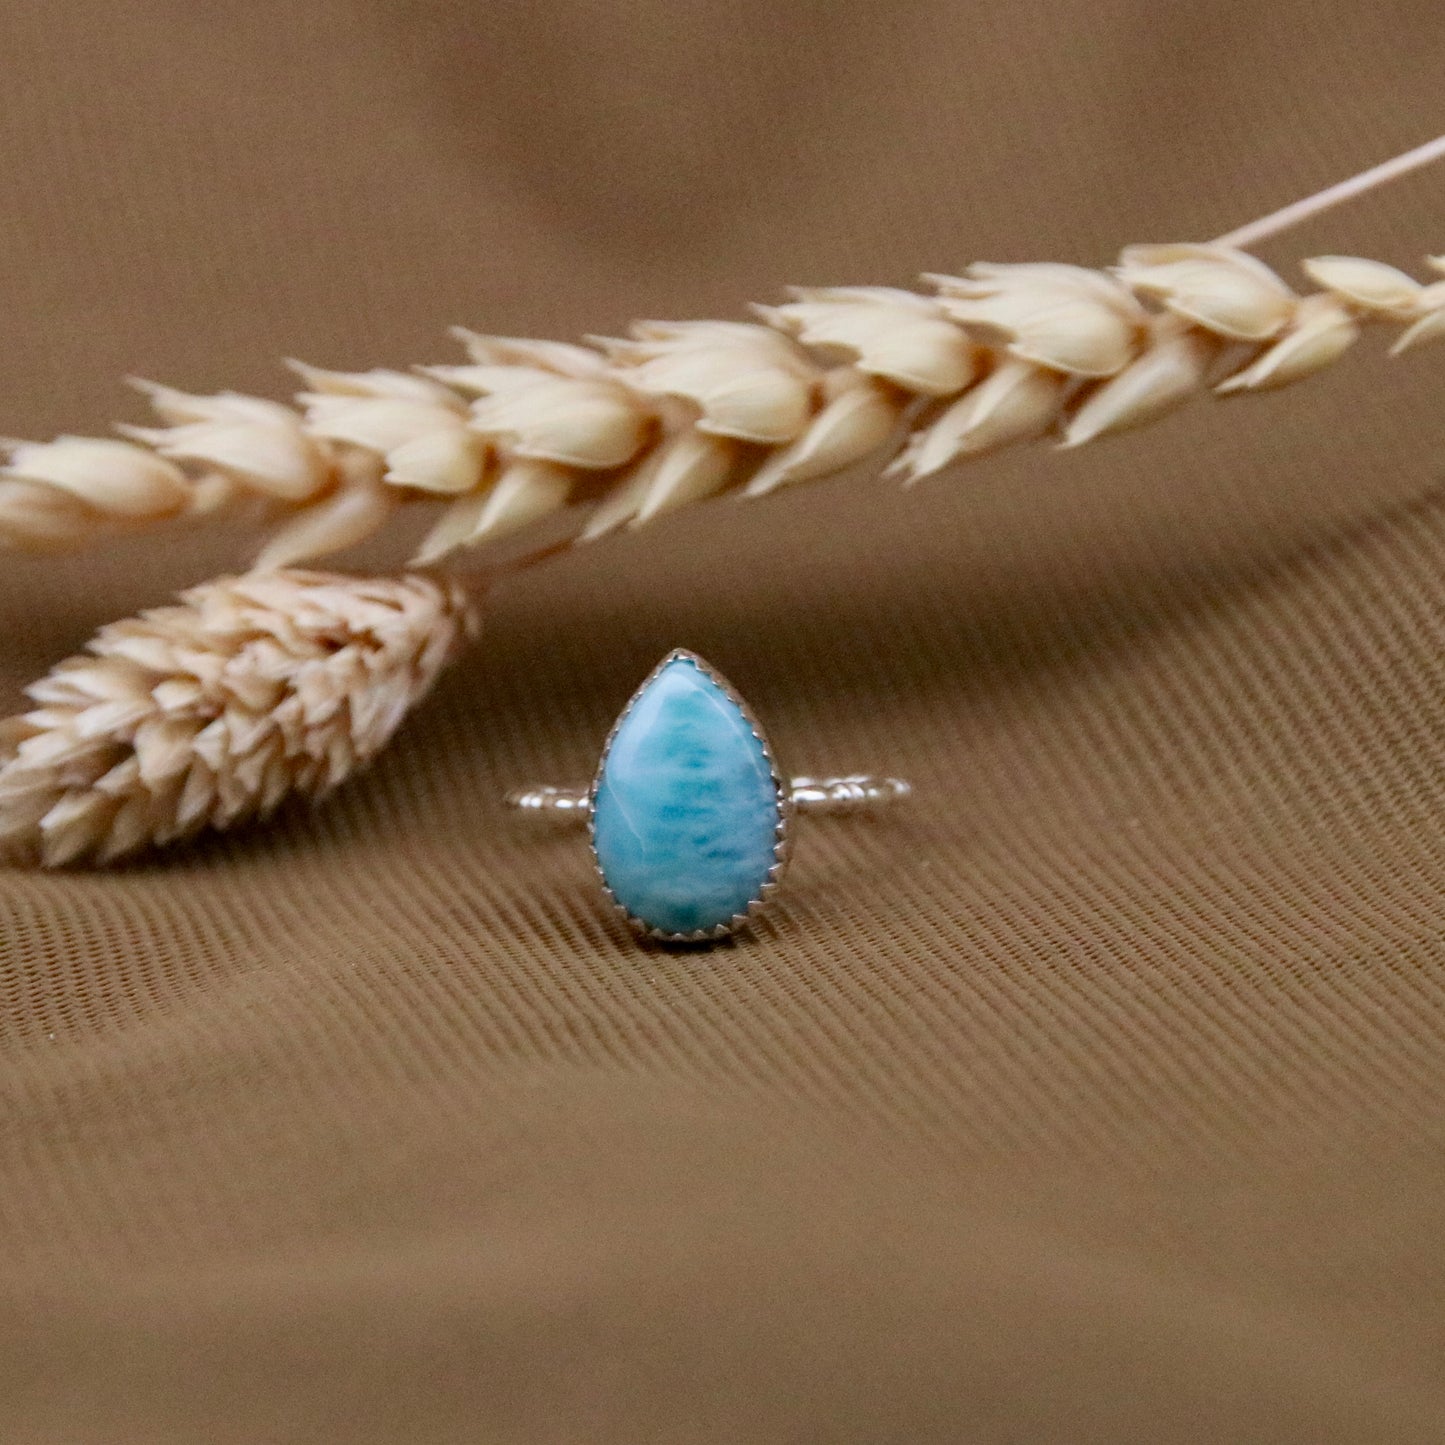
(782, 837)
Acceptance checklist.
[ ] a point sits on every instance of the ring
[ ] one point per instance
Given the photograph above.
(688, 815)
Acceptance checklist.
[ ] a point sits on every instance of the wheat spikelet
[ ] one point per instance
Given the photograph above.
(210, 712)
(621, 431)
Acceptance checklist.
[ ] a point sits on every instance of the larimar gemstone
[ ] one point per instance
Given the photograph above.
(686, 813)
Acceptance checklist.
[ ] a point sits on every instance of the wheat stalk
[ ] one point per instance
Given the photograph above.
(210, 712)
(252, 688)
(621, 431)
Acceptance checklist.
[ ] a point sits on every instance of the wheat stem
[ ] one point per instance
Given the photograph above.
(1263, 227)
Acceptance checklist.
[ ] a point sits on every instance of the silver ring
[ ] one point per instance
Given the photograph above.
(688, 815)
(807, 795)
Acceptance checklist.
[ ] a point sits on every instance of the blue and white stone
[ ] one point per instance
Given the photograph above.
(685, 818)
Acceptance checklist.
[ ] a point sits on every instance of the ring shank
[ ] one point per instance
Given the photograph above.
(808, 795)
(848, 794)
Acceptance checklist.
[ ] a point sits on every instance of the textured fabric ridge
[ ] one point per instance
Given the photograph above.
(1098, 1095)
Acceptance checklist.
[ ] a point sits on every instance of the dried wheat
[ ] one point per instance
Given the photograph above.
(619, 432)
(210, 712)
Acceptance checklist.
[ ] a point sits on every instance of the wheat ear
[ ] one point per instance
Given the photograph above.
(619, 432)
(210, 712)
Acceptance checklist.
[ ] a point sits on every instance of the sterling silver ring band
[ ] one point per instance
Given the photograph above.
(807, 795)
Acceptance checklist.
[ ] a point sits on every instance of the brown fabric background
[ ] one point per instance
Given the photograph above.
(1097, 1097)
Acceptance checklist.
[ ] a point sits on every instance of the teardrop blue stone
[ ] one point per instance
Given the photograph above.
(686, 812)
